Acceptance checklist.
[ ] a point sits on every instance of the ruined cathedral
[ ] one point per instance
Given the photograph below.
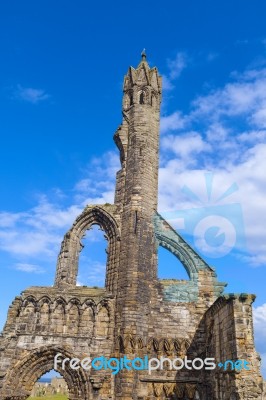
(136, 314)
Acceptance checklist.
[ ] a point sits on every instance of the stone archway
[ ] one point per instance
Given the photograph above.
(22, 377)
(67, 265)
(182, 254)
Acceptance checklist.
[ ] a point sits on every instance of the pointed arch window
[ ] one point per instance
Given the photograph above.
(93, 257)
(142, 98)
(169, 267)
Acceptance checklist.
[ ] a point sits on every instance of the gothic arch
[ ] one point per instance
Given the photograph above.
(197, 269)
(182, 254)
(73, 316)
(180, 290)
(90, 303)
(103, 318)
(143, 96)
(22, 376)
(128, 99)
(67, 265)
(30, 300)
(44, 313)
(59, 300)
(44, 300)
(87, 318)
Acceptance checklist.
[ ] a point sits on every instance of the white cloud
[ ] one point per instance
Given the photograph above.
(259, 319)
(208, 140)
(177, 65)
(23, 241)
(249, 176)
(98, 185)
(29, 268)
(167, 84)
(217, 132)
(38, 232)
(31, 95)
(183, 146)
(8, 220)
(48, 214)
(244, 97)
(259, 116)
(172, 122)
(175, 68)
(95, 272)
(253, 136)
(229, 140)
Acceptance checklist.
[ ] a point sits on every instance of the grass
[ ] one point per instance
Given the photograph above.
(51, 397)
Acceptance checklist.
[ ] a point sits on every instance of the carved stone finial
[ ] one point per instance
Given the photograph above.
(143, 55)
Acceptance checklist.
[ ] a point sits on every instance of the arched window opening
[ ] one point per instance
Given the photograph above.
(169, 267)
(93, 258)
(141, 98)
(50, 385)
(131, 100)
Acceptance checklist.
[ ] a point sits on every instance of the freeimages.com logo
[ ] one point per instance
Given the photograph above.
(216, 225)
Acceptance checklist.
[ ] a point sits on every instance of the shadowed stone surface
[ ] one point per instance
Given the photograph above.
(136, 314)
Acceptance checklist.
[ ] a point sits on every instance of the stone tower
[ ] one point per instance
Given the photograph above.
(135, 314)
(136, 196)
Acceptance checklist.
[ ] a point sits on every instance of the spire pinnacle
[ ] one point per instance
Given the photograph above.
(143, 55)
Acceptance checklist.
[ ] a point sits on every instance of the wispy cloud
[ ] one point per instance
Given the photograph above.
(37, 233)
(175, 66)
(8, 220)
(245, 97)
(186, 145)
(224, 132)
(29, 268)
(98, 183)
(95, 275)
(173, 122)
(259, 318)
(31, 95)
(211, 56)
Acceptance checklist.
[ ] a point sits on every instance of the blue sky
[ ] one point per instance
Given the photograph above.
(61, 73)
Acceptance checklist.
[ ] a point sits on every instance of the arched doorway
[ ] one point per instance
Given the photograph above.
(22, 377)
(51, 385)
